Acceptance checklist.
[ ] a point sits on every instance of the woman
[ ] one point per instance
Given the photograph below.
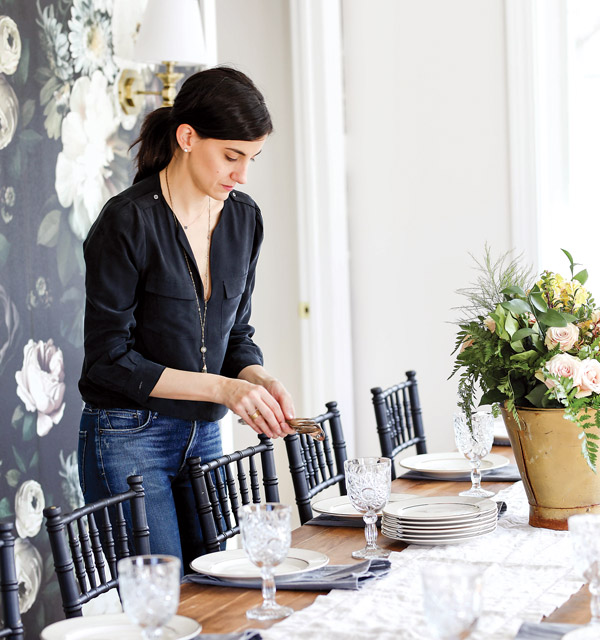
(171, 264)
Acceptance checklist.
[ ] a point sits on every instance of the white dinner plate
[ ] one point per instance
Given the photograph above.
(117, 626)
(440, 508)
(451, 463)
(340, 505)
(436, 523)
(431, 540)
(459, 526)
(234, 564)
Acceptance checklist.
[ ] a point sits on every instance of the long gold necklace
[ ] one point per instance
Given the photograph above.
(202, 318)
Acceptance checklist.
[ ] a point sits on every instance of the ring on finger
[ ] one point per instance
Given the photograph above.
(255, 415)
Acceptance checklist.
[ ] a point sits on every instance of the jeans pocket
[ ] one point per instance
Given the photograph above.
(81, 458)
(126, 421)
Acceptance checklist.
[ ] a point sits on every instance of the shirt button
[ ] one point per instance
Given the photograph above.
(233, 193)
(156, 196)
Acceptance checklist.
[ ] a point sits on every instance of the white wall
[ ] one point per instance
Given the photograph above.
(428, 183)
(254, 37)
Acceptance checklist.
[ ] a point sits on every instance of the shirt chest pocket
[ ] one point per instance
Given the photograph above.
(233, 288)
(170, 307)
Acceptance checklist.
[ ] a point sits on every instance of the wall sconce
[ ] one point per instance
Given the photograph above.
(170, 33)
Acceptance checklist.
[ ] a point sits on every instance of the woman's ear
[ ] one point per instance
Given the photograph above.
(184, 135)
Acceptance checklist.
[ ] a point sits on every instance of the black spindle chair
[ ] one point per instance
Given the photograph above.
(88, 539)
(223, 485)
(12, 626)
(399, 418)
(315, 465)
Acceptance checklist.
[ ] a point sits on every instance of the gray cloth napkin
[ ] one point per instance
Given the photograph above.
(324, 579)
(326, 520)
(543, 631)
(508, 473)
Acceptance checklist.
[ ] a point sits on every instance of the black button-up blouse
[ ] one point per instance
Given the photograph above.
(141, 313)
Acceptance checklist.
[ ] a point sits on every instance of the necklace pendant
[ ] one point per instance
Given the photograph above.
(204, 369)
(202, 349)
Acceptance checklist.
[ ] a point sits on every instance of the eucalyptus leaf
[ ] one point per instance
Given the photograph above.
(517, 306)
(517, 346)
(513, 291)
(569, 317)
(29, 136)
(536, 395)
(492, 396)
(569, 256)
(538, 301)
(582, 276)
(552, 318)
(35, 458)
(523, 333)
(526, 355)
(511, 325)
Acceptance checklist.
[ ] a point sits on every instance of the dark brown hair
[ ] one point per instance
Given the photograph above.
(220, 103)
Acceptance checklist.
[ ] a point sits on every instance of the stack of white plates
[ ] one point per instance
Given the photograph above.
(439, 520)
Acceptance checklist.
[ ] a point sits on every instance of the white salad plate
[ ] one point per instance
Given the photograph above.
(440, 508)
(234, 564)
(451, 463)
(117, 626)
(340, 505)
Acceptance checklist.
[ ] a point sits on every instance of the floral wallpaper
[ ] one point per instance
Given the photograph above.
(63, 151)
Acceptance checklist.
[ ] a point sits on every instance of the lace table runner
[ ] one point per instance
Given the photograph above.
(527, 575)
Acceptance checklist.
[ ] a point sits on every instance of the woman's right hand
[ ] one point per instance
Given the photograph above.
(255, 405)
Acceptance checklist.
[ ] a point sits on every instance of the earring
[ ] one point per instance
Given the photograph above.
(186, 150)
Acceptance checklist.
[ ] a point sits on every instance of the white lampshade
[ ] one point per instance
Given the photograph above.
(171, 30)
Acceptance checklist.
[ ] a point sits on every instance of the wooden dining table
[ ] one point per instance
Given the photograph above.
(223, 609)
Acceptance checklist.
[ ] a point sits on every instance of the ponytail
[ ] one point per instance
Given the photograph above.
(156, 141)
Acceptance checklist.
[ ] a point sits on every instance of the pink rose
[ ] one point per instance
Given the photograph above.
(563, 366)
(490, 324)
(564, 337)
(40, 383)
(588, 379)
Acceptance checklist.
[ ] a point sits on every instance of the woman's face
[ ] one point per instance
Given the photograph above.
(216, 167)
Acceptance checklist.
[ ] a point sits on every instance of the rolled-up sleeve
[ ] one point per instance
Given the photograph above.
(242, 351)
(114, 253)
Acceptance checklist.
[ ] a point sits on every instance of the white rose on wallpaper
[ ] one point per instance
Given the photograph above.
(83, 166)
(29, 564)
(70, 485)
(9, 112)
(10, 45)
(40, 383)
(91, 38)
(10, 315)
(29, 505)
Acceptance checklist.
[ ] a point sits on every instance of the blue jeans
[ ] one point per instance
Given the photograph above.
(117, 443)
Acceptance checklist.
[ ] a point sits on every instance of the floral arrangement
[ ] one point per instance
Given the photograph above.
(531, 345)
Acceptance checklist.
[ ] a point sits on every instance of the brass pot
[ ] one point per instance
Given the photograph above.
(558, 481)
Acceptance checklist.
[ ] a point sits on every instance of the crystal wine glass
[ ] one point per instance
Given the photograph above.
(149, 589)
(266, 537)
(474, 443)
(368, 482)
(452, 599)
(584, 530)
